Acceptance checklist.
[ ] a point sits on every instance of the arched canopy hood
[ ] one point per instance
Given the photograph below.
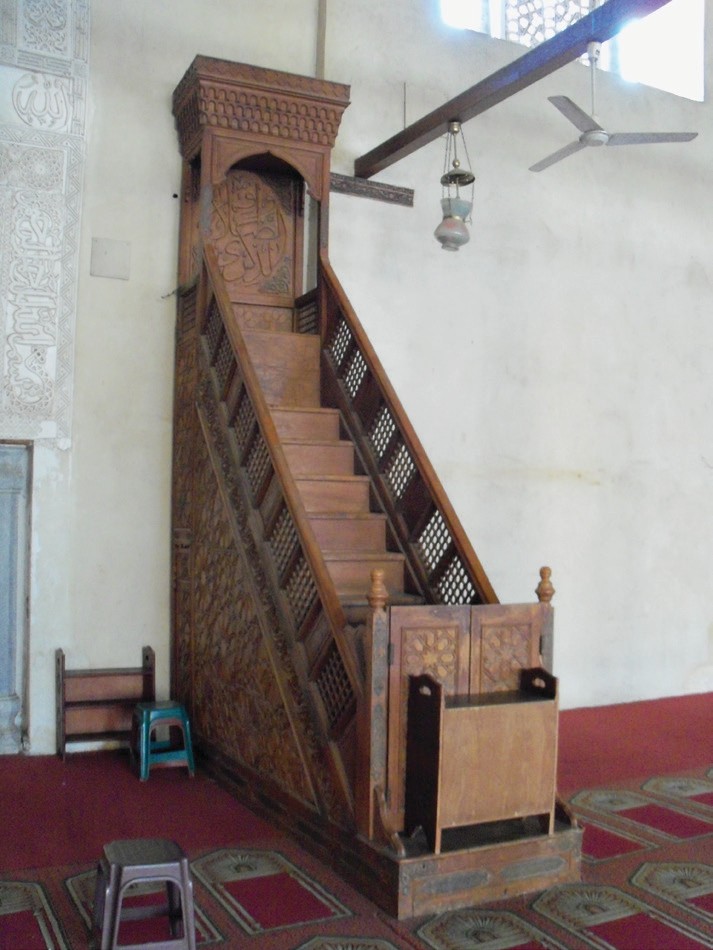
(225, 112)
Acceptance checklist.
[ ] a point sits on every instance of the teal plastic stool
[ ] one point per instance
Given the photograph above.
(146, 719)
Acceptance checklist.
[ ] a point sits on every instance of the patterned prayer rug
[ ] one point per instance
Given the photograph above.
(647, 884)
(647, 880)
(274, 899)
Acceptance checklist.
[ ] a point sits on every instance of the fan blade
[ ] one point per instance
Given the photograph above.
(648, 138)
(577, 116)
(557, 156)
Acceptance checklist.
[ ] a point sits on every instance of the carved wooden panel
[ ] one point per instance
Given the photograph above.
(467, 649)
(186, 431)
(237, 703)
(430, 640)
(275, 319)
(506, 639)
(253, 230)
(246, 594)
(252, 101)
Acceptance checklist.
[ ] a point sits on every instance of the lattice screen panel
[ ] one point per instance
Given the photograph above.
(257, 466)
(224, 362)
(308, 317)
(334, 687)
(454, 586)
(354, 376)
(300, 591)
(212, 328)
(434, 541)
(530, 22)
(244, 422)
(340, 343)
(400, 470)
(382, 432)
(283, 540)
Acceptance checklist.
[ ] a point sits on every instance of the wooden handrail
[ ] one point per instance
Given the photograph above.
(326, 590)
(329, 285)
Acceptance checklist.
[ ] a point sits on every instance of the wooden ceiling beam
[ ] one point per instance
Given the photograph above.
(598, 26)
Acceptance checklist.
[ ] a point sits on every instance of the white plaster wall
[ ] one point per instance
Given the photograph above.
(556, 369)
(101, 515)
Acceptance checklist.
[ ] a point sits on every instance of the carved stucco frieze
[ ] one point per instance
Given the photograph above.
(43, 77)
(40, 196)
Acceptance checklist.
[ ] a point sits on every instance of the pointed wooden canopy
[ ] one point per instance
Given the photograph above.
(598, 26)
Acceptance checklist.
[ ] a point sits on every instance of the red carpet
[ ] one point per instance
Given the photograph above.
(647, 867)
(633, 740)
(80, 798)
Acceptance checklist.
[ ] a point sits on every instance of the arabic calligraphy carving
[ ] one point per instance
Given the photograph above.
(44, 69)
(250, 234)
(31, 294)
(43, 102)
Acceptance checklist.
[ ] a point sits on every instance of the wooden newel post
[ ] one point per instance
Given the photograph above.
(378, 594)
(544, 590)
(372, 715)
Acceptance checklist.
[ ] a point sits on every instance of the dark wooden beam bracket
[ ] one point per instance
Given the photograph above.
(563, 48)
(379, 191)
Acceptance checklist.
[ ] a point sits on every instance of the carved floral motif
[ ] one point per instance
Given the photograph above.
(45, 25)
(505, 651)
(28, 167)
(431, 650)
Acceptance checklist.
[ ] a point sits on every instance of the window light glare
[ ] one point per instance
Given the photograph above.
(463, 15)
(665, 49)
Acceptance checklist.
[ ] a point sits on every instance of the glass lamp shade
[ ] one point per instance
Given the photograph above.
(452, 233)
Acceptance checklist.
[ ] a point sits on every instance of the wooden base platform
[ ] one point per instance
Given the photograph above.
(477, 865)
(433, 883)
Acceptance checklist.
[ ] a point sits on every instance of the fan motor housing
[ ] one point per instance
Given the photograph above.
(594, 137)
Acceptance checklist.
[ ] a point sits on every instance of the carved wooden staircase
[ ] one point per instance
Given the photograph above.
(337, 499)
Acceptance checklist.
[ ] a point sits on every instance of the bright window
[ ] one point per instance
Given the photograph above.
(664, 49)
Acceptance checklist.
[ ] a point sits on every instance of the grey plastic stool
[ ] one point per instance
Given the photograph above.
(142, 861)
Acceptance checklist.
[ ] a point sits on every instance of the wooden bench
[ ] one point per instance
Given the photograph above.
(97, 705)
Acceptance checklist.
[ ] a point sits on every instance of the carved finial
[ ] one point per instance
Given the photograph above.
(544, 590)
(378, 594)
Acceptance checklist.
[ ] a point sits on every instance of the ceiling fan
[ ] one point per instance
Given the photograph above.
(592, 133)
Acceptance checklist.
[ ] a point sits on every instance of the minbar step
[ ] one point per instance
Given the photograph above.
(319, 458)
(351, 532)
(335, 493)
(319, 424)
(351, 570)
